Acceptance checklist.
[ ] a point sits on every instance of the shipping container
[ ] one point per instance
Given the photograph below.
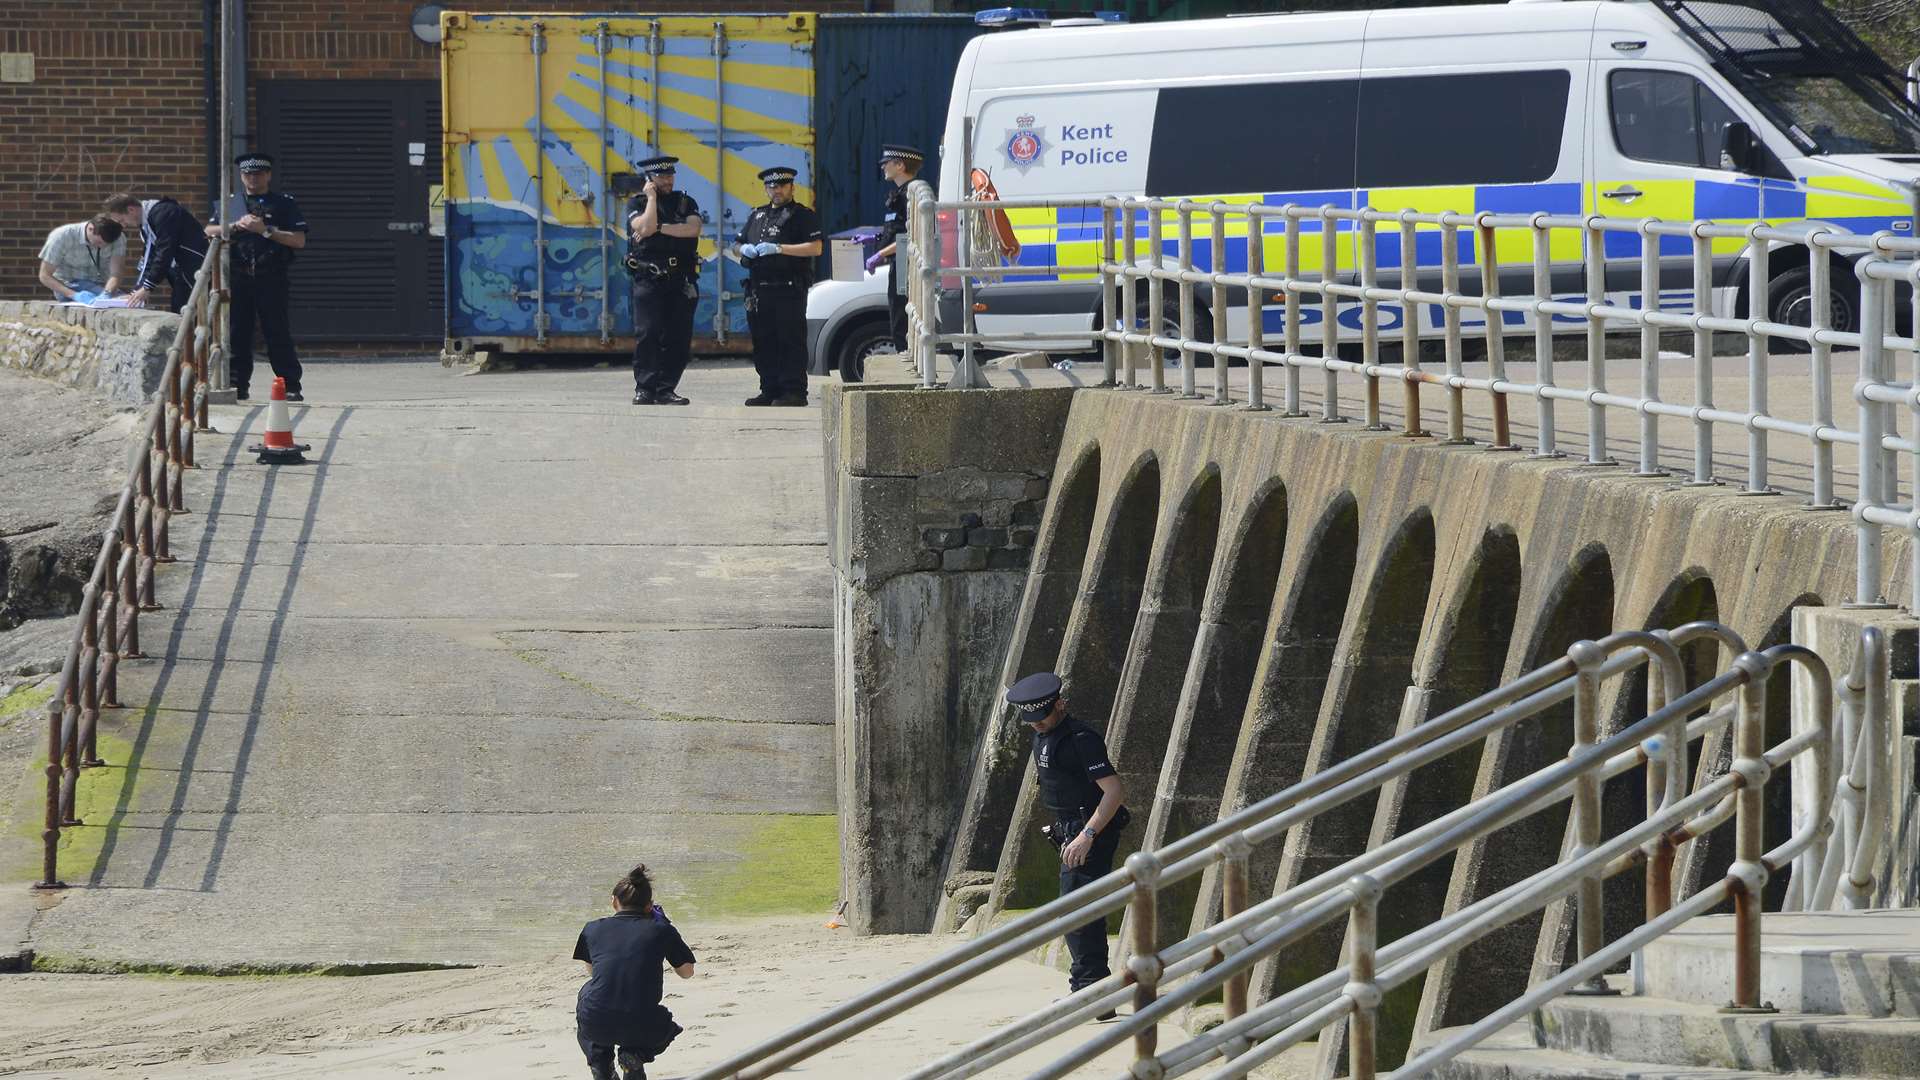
(545, 118)
(728, 95)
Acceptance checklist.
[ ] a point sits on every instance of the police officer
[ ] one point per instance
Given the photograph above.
(899, 164)
(663, 253)
(1079, 786)
(264, 239)
(778, 245)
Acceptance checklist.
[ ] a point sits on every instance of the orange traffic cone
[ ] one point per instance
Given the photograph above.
(278, 448)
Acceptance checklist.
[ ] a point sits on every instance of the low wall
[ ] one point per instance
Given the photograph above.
(935, 501)
(120, 352)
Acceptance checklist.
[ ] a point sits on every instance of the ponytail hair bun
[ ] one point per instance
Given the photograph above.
(635, 891)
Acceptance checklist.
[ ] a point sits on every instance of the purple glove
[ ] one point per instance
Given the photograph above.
(874, 261)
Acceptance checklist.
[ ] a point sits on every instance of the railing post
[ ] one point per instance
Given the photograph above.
(1590, 928)
(1496, 328)
(1450, 321)
(1222, 367)
(1820, 357)
(1410, 322)
(1748, 872)
(1109, 348)
(1758, 307)
(1129, 304)
(1703, 359)
(1543, 332)
(50, 835)
(1156, 294)
(1256, 310)
(1369, 321)
(1362, 991)
(1144, 965)
(1649, 350)
(1233, 901)
(1867, 535)
(1292, 324)
(1184, 254)
(1329, 317)
(1596, 239)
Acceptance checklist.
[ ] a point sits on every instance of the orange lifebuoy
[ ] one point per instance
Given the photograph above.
(997, 220)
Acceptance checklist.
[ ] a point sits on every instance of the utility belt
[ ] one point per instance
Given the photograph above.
(1068, 823)
(264, 268)
(643, 265)
(778, 283)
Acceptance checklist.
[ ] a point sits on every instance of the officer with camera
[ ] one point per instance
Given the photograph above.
(663, 227)
(778, 245)
(268, 231)
(1079, 786)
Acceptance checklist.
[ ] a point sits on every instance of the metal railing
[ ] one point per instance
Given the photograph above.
(1837, 873)
(135, 542)
(1161, 979)
(1135, 276)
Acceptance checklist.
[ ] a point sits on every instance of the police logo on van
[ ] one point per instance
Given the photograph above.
(1025, 146)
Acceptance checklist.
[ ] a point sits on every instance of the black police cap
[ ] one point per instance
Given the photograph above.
(1035, 694)
(660, 164)
(780, 173)
(900, 152)
(254, 161)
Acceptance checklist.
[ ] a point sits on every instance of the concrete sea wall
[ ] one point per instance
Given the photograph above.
(120, 352)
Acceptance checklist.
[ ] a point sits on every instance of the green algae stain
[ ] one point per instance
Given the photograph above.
(786, 864)
(22, 701)
(96, 802)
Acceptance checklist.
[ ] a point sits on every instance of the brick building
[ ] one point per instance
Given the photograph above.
(99, 98)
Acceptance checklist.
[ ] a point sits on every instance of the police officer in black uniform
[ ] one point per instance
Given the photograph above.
(268, 231)
(899, 164)
(1079, 786)
(663, 226)
(778, 245)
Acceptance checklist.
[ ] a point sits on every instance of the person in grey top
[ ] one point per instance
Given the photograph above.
(86, 256)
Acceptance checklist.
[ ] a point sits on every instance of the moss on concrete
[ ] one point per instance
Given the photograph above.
(29, 700)
(788, 864)
(94, 803)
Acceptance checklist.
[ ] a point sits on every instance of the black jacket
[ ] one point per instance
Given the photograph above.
(175, 242)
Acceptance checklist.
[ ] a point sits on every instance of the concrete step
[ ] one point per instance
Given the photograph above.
(1513, 1055)
(1683, 1034)
(1857, 963)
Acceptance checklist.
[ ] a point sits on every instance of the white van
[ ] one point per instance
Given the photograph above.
(1731, 110)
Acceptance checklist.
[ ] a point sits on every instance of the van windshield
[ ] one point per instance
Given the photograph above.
(1840, 115)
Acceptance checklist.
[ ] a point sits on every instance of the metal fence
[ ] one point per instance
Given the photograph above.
(1162, 978)
(1136, 276)
(136, 541)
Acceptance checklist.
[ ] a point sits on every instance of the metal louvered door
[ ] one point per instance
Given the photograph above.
(361, 157)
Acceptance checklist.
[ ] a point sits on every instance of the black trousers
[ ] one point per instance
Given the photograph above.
(662, 331)
(261, 298)
(632, 1050)
(896, 313)
(1087, 944)
(777, 316)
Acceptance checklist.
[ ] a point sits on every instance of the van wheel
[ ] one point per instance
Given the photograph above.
(1170, 328)
(856, 344)
(1790, 301)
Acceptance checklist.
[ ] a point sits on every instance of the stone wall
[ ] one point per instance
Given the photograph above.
(934, 501)
(120, 352)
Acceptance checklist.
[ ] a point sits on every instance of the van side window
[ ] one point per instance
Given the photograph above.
(1497, 127)
(1667, 116)
(1219, 140)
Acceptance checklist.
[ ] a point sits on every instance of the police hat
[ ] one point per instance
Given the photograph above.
(253, 161)
(661, 164)
(900, 152)
(779, 174)
(1034, 695)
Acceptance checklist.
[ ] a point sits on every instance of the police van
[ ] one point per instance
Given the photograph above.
(1734, 111)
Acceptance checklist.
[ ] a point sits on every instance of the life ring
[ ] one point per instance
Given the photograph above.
(999, 226)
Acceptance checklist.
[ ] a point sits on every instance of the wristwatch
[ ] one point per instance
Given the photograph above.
(1090, 834)
(269, 233)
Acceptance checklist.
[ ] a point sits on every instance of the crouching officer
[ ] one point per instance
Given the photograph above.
(1079, 786)
(264, 239)
(663, 226)
(778, 245)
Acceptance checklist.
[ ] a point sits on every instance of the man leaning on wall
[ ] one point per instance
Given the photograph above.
(84, 258)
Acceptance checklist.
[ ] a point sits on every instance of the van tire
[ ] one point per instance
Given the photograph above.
(1790, 300)
(1170, 325)
(854, 344)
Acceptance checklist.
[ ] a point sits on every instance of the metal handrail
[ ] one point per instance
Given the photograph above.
(1880, 261)
(134, 544)
(1220, 956)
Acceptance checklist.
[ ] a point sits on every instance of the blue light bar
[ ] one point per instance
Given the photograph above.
(1009, 16)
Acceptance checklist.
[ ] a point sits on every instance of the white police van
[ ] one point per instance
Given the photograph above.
(1730, 110)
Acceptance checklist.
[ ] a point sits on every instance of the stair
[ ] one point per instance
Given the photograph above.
(1847, 986)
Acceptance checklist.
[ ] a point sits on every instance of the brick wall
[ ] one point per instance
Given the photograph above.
(116, 103)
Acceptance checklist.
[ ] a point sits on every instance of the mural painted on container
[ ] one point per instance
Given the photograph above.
(724, 125)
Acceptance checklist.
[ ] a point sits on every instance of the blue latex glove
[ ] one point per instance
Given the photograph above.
(764, 249)
(84, 297)
(874, 261)
(660, 915)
